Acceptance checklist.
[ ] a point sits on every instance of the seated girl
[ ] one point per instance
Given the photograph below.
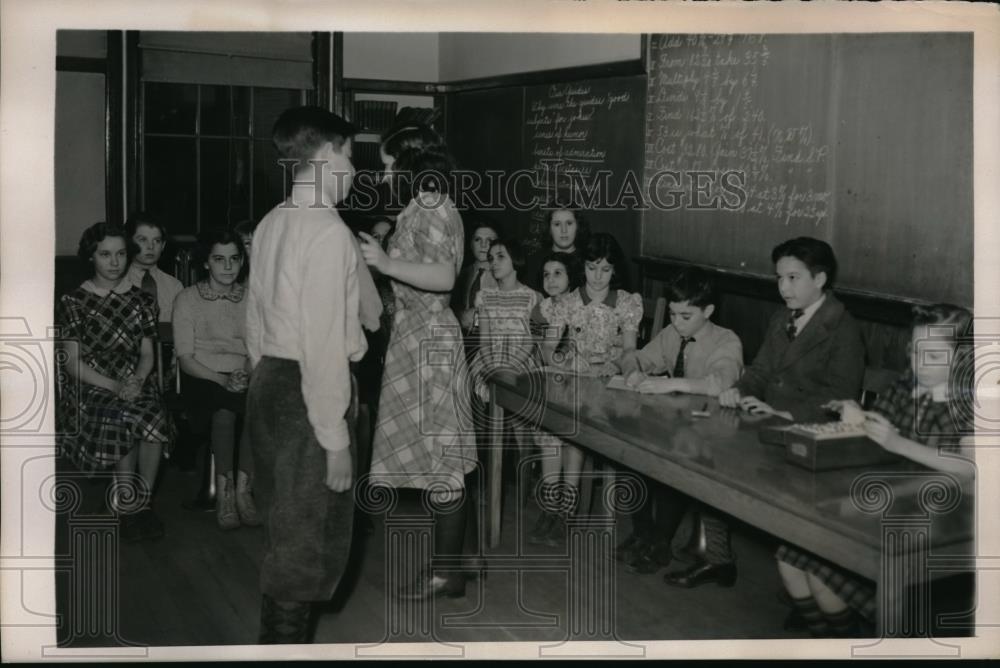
(601, 320)
(209, 336)
(920, 418)
(110, 412)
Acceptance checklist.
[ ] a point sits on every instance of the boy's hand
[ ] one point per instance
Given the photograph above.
(339, 470)
(657, 386)
(635, 378)
(755, 406)
(730, 398)
(373, 254)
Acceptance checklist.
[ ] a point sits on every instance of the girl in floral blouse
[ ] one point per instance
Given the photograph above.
(601, 319)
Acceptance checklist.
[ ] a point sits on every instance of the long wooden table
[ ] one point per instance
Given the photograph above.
(890, 524)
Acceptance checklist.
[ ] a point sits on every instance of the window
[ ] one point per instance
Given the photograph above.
(206, 153)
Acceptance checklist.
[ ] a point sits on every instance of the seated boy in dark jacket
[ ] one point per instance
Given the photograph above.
(812, 351)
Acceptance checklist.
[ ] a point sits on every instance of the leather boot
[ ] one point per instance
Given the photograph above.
(226, 514)
(244, 501)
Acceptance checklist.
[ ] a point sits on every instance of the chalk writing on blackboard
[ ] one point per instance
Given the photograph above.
(704, 112)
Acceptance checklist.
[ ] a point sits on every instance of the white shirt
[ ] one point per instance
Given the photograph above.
(303, 304)
(807, 314)
(167, 287)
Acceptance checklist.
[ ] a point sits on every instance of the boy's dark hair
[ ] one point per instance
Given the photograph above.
(514, 249)
(574, 268)
(300, 131)
(97, 233)
(582, 226)
(814, 253)
(603, 246)
(145, 218)
(211, 237)
(692, 285)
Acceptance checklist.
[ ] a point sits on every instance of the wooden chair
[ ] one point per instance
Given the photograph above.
(654, 318)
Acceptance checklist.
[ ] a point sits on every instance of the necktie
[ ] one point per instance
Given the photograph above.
(790, 329)
(148, 284)
(679, 364)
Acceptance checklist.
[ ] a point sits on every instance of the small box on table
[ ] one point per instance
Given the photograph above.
(825, 446)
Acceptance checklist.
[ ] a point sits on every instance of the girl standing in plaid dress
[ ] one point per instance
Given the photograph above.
(110, 413)
(423, 438)
(921, 418)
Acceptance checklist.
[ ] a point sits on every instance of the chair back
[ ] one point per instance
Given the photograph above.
(654, 316)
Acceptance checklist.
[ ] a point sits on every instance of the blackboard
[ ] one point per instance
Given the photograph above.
(584, 141)
(863, 140)
(551, 141)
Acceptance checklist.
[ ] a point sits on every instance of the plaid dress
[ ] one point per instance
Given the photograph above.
(424, 436)
(920, 419)
(96, 428)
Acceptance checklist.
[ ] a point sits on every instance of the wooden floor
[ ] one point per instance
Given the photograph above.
(198, 586)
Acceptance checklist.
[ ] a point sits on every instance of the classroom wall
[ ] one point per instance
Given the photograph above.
(475, 55)
(82, 43)
(79, 140)
(79, 151)
(394, 56)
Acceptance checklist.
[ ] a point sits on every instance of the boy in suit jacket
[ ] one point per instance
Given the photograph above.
(812, 351)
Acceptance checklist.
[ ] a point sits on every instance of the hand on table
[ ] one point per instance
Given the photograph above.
(730, 398)
(879, 429)
(658, 385)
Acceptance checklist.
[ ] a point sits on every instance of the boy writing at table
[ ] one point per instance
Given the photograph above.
(691, 355)
(812, 352)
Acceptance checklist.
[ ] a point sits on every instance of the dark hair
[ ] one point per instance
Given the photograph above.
(954, 320)
(208, 239)
(514, 249)
(691, 285)
(144, 218)
(300, 131)
(481, 222)
(603, 246)
(813, 253)
(97, 233)
(408, 137)
(421, 169)
(582, 226)
(574, 268)
(246, 227)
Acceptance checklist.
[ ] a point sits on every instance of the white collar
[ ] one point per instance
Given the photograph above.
(808, 311)
(123, 286)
